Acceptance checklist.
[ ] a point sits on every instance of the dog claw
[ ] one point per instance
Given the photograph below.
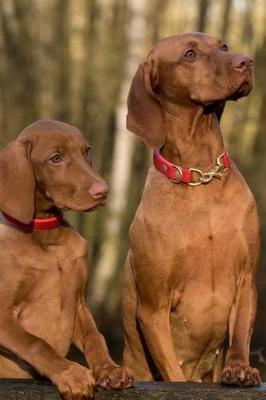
(114, 377)
(241, 376)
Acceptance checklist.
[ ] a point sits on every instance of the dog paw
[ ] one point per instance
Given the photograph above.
(113, 377)
(241, 376)
(74, 382)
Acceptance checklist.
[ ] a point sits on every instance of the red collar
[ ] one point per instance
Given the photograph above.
(37, 224)
(191, 176)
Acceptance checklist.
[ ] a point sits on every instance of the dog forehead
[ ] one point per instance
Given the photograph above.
(49, 133)
(172, 44)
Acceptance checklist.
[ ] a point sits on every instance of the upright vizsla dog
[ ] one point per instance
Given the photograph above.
(189, 290)
(43, 270)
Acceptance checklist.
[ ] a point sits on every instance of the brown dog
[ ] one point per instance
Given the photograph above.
(189, 276)
(43, 275)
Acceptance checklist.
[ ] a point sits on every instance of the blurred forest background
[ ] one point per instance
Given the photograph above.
(73, 60)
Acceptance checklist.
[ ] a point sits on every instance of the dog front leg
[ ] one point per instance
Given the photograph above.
(237, 370)
(155, 325)
(70, 378)
(89, 340)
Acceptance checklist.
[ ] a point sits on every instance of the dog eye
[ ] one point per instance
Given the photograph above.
(56, 158)
(224, 47)
(190, 54)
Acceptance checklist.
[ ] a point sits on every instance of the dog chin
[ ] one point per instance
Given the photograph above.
(82, 209)
(243, 90)
(94, 207)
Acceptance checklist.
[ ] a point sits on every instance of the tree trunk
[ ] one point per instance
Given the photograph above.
(63, 64)
(226, 19)
(122, 161)
(202, 15)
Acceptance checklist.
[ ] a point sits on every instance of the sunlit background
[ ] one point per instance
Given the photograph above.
(73, 60)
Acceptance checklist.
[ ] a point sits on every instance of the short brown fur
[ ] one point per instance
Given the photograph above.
(189, 297)
(44, 274)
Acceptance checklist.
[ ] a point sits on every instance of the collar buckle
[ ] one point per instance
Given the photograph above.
(179, 174)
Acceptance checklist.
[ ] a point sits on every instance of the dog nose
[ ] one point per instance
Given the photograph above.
(241, 63)
(99, 190)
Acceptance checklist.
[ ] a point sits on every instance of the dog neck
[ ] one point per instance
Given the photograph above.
(193, 136)
(44, 207)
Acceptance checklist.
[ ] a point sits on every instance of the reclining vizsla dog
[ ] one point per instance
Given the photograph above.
(189, 298)
(43, 272)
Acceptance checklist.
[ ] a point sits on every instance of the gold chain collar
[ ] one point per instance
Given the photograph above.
(205, 177)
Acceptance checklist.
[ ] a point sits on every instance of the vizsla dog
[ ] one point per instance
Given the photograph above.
(43, 273)
(189, 294)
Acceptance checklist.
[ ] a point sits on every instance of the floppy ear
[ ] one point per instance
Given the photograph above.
(17, 184)
(145, 117)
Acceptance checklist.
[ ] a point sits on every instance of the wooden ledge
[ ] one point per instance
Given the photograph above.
(26, 389)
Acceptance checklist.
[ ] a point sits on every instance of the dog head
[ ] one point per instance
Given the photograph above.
(188, 70)
(49, 165)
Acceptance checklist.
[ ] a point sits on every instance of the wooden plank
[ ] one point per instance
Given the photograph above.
(26, 389)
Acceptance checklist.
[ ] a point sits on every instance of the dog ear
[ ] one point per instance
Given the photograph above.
(145, 117)
(17, 184)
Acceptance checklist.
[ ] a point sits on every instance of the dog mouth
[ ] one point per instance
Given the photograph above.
(240, 88)
(243, 90)
(244, 87)
(91, 208)
(96, 206)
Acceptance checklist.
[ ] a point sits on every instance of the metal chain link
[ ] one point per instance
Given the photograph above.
(206, 177)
